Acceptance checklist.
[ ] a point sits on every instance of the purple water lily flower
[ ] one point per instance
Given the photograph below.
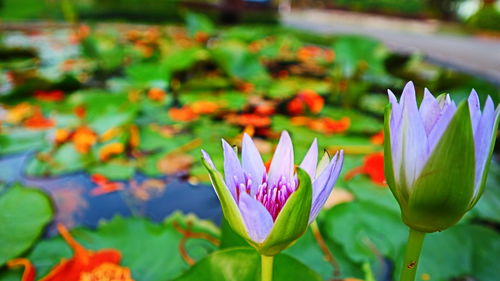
(437, 155)
(261, 196)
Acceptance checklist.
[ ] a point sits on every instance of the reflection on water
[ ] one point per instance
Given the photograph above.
(154, 198)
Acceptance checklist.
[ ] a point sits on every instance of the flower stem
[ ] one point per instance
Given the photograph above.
(267, 268)
(412, 253)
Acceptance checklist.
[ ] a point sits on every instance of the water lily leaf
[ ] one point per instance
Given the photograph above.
(157, 260)
(440, 262)
(238, 62)
(361, 228)
(148, 74)
(488, 207)
(196, 22)
(243, 264)
(21, 140)
(24, 214)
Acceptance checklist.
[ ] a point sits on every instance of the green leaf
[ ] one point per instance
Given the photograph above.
(238, 62)
(182, 59)
(148, 74)
(365, 230)
(18, 140)
(462, 250)
(488, 207)
(150, 250)
(442, 193)
(24, 214)
(117, 169)
(198, 23)
(308, 251)
(243, 264)
(293, 219)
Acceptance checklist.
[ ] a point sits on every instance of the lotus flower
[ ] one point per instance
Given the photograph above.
(437, 156)
(271, 209)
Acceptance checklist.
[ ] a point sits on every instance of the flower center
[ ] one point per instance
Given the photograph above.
(272, 197)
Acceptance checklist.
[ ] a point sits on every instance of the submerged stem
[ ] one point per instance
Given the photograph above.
(267, 268)
(412, 253)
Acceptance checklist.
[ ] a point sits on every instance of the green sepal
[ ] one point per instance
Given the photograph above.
(388, 165)
(484, 175)
(442, 193)
(292, 221)
(227, 202)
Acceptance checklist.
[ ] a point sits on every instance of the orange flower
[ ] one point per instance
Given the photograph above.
(104, 186)
(295, 107)
(110, 150)
(29, 273)
(310, 98)
(80, 111)
(134, 95)
(80, 34)
(85, 265)
(334, 126)
(61, 135)
(204, 107)
(313, 101)
(38, 122)
(183, 114)
(373, 166)
(110, 134)
(308, 53)
(56, 95)
(378, 138)
(135, 137)
(156, 94)
(265, 108)
(83, 139)
(249, 119)
(201, 37)
(329, 55)
(19, 112)
(245, 87)
(324, 125)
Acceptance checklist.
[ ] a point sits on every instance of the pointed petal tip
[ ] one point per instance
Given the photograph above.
(392, 97)
(206, 157)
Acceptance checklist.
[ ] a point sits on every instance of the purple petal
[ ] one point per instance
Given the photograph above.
(414, 146)
(311, 160)
(475, 109)
(395, 130)
(323, 163)
(482, 139)
(258, 221)
(441, 125)
(208, 159)
(282, 162)
(252, 163)
(233, 172)
(323, 188)
(429, 110)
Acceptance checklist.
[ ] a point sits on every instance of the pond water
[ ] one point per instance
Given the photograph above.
(154, 198)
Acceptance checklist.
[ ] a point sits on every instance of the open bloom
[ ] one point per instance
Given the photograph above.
(271, 209)
(437, 156)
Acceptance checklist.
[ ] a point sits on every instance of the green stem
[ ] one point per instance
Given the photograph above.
(412, 253)
(267, 268)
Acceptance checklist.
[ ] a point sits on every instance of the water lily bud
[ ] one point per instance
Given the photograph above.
(272, 209)
(437, 156)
